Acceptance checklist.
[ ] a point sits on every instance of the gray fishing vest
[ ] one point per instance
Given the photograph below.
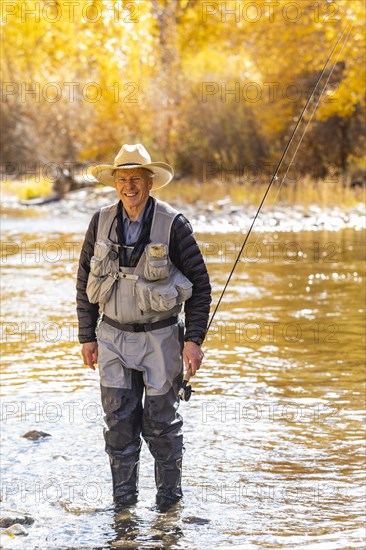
(153, 290)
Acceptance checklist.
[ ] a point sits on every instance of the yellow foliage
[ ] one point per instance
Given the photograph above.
(33, 188)
(82, 78)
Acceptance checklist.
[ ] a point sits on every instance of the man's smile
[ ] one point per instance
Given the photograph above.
(133, 187)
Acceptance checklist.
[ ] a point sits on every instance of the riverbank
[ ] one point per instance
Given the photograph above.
(211, 215)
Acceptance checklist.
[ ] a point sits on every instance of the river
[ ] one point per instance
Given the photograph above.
(274, 433)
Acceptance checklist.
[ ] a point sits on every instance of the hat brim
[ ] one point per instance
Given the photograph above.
(163, 173)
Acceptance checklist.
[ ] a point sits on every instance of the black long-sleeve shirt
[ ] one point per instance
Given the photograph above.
(185, 255)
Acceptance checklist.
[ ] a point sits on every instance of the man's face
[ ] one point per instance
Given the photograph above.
(133, 187)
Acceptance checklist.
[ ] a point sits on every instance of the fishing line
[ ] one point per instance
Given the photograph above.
(308, 123)
(274, 177)
(311, 118)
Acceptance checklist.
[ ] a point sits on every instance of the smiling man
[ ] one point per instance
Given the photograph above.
(133, 187)
(139, 264)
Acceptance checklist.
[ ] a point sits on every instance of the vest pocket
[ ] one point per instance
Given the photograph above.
(163, 297)
(182, 284)
(103, 272)
(100, 262)
(99, 289)
(156, 262)
(143, 298)
(156, 297)
(184, 289)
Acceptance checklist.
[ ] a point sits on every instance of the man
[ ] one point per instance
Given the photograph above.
(139, 263)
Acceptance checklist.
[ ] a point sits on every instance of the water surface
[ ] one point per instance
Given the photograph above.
(274, 434)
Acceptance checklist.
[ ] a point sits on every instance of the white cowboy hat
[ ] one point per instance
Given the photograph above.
(133, 156)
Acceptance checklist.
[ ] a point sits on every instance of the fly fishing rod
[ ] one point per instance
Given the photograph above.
(186, 390)
(278, 167)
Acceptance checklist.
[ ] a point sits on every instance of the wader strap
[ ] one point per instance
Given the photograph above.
(138, 327)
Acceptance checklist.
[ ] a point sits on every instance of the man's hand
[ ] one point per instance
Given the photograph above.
(89, 351)
(192, 357)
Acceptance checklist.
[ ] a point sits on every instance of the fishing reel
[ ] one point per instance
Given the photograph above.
(186, 390)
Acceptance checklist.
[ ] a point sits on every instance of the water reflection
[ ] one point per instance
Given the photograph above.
(273, 432)
(135, 531)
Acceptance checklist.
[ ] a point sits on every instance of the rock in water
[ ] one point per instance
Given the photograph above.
(195, 520)
(35, 434)
(11, 517)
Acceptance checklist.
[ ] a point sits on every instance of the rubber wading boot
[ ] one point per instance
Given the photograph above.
(125, 473)
(168, 479)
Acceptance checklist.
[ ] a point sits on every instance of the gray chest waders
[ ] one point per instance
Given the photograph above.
(140, 345)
